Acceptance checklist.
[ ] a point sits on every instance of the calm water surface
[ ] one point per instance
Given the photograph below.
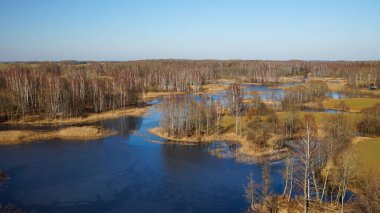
(133, 171)
(125, 173)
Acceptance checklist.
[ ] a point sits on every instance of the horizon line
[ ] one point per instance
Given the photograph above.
(185, 59)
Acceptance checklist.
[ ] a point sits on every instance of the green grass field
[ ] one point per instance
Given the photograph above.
(355, 104)
(368, 151)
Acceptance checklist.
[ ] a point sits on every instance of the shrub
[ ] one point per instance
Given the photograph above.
(370, 124)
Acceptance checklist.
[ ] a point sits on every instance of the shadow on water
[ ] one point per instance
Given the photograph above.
(112, 175)
(123, 125)
(127, 173)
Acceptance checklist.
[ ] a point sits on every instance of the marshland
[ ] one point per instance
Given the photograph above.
(141, 139)
(189, 106)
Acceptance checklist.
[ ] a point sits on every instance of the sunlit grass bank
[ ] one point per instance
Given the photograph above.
(10, 137)
(355, 104)
(93, 117)
(368, 151)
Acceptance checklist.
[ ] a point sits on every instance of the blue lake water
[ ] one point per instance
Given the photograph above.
(133, 171)
(336, 95)
(125, 173)
(265, 93)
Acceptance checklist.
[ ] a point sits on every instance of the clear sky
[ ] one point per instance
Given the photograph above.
(189, 29)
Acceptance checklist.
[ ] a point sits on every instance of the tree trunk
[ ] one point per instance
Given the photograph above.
(325, 182)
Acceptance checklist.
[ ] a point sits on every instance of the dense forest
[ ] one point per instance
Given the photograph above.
(70, 88)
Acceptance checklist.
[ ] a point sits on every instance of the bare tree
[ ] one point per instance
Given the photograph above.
(219, 107)
(251, 194)
(289, 177)
(306, 149)
(291, 125)
(183, 116)
(338, 134)
(347, 174)
(235, 102)
(369, 196)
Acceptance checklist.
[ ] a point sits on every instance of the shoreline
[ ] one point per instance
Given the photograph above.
(14, 137)
(243, 154)
(93, 117)
(210, 88)
(195, 139)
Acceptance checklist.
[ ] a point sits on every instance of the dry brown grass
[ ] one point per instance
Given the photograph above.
(244, 153)
(225, 80)
(10, 137)
(162, 134)
(361, 92)
(15, 136)
(334, 84)
(357, 140)
(253, 92)
(137, 111)
(355, 104)
(328, 80)
(263, 153)
(368, 152)
(84, 133)
(291, 79)
(213, 88)
(197, 138)
(153, 95)
(208, 88)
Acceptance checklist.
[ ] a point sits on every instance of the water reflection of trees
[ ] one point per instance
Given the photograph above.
(123, 125)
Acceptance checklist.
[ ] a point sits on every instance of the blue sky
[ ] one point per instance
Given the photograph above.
(189, 29)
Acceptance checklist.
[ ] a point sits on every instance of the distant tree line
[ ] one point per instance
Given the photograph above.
(358, 74)
(66, 90)
(70, 88)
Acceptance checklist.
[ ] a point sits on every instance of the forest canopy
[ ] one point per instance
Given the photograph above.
(71, 89)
